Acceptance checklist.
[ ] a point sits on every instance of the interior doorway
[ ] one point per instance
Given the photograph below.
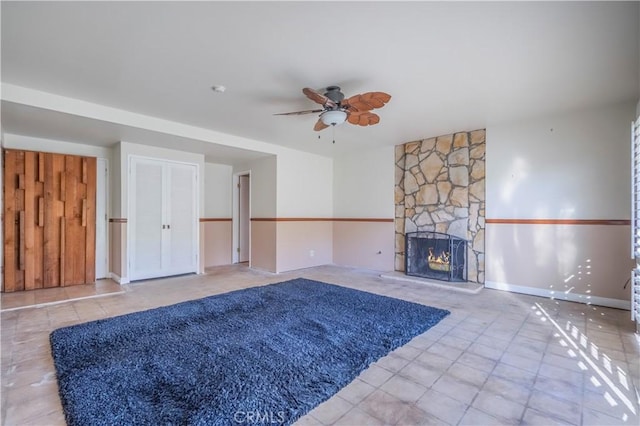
(244, 218)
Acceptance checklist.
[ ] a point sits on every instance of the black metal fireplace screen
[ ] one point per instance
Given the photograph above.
(435, 255)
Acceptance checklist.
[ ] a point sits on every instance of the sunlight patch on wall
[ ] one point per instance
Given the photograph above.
(518, 172)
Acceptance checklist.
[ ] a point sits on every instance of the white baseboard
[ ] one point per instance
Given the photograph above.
(561, 295)
(117, 278)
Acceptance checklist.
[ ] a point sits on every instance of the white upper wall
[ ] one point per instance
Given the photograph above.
(217, 190)
(305, 185)
(130, 149)
(570, 166)
(291, 184)
(116, 190)
(58, 147)
(263, 184)
(363, 184)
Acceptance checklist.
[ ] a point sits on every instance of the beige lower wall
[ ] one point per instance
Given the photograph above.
(303, 244)
(281, 245)
(217, 241)
(263, 245)
(587, 263)
(364, 244)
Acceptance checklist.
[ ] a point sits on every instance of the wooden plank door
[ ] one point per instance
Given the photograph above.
(53, 208)
(78, 228)
(49, 227)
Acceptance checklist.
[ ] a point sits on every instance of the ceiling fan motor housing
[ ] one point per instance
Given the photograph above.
(334, 93)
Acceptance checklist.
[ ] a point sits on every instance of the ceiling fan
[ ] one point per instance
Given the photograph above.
(336, 109)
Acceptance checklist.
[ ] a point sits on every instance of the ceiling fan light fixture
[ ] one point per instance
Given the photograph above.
(333, 117)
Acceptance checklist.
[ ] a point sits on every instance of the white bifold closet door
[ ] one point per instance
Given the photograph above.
(163, 227)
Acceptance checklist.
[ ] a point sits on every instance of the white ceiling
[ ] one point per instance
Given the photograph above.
(449, 66)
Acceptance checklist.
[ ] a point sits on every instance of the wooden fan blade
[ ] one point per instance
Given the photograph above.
(354, 117)
(319, 125)
(318, 97)
(363, 118)
(366, 101)
(309, 111)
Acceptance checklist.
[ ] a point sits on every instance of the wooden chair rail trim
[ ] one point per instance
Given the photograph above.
(317, 219)
(559, 221)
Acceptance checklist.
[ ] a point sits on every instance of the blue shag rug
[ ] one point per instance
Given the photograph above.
(264, 355)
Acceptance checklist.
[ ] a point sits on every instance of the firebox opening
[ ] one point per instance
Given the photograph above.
(436, 255)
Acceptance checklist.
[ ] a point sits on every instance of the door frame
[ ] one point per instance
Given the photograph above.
(99, 163)
(236, 215)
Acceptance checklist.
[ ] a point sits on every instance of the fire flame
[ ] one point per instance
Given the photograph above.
(444, 257)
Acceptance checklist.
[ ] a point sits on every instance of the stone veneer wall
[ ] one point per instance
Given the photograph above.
(440, 186)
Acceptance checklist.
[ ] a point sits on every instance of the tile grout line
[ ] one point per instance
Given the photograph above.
(491, 373)
(546, 346)
(58, 302)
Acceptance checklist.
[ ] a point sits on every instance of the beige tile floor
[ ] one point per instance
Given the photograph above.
(499, 358)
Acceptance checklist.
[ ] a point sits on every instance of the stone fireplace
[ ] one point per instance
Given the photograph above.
(440, 188)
